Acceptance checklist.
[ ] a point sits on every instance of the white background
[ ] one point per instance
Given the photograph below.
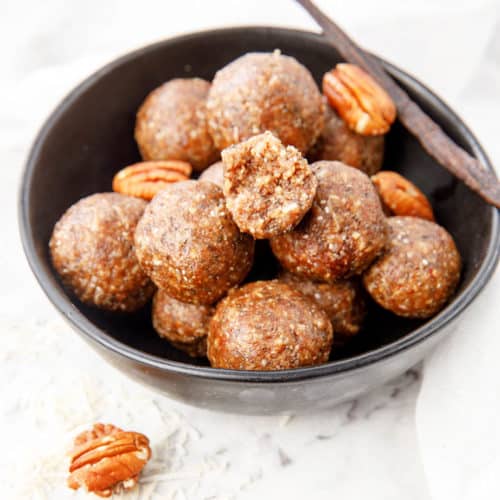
(432, 433)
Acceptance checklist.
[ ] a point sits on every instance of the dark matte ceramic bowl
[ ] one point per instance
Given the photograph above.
(90, 136)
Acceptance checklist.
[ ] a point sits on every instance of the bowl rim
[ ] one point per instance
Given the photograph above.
(86, 328)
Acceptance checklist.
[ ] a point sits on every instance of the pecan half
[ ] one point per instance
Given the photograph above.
(107, 459)
(399, 196)
(147, 178)
(360, 101)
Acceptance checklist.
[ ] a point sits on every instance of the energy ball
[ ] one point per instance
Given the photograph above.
(344, 231)
(265, 91)
(268, 187)
(172, 125)
(267, 325)
(338, 142)
(189, 245)
(214, 173)
(185, 326)
(419, 270)
(92, 250)
(342, 301)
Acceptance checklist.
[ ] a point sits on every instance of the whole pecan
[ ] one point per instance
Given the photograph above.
(365, 107)
(147, 178)
(399, 196)
(107, 459)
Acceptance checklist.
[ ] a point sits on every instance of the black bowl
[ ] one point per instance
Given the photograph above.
(90, 136)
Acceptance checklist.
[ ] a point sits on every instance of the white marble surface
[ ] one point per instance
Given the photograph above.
(432, 433)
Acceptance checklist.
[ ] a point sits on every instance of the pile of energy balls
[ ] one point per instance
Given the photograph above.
(278, 161)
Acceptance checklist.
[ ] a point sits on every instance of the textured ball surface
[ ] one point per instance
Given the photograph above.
(344, 231)
(267, 325)
(265, 91)
(190, 246)
(92, 250)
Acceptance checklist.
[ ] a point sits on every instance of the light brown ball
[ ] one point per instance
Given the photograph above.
(342, 301)
(189, 245)
(172, 125)
(92, 250)
(265, 91)
(418, 272)
(338, 142)
(267, 325)
(344, 231)
(214, 173)
(185, 326)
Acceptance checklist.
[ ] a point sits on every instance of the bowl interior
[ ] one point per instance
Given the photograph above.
(90, 137)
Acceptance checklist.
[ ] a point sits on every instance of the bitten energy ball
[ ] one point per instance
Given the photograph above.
(185, 326)
(189, 245)
(344, 231)
(342, 301)
(418, 272)
(214, 173)
(171, 124)
(338, 143)
(267, 325)
(92, 249)
(268, 187)
(262, 91)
